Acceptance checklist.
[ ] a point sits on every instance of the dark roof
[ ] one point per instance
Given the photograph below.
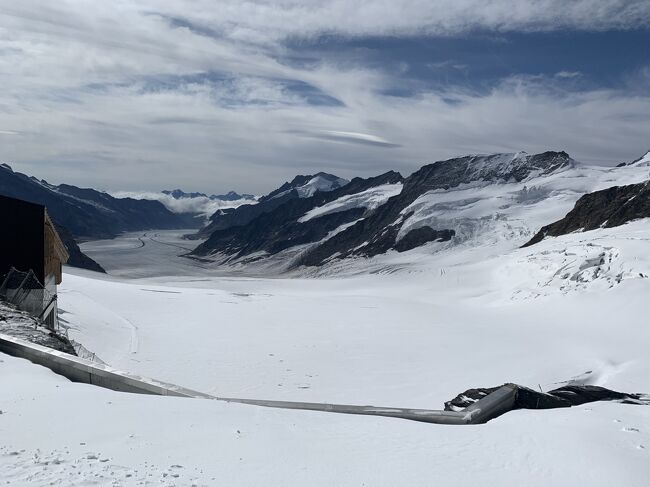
(17, 201)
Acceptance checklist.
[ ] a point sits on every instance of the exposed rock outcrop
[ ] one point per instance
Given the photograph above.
(89, 213)
(299, 188)
(21, 324)
(607, 208)
(77, 257)
(563, 397)
(278, 228)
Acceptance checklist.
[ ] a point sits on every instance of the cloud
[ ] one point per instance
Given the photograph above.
(348, 137)
(568, 74)
(204, 206)
(261, 21)
(143, 93)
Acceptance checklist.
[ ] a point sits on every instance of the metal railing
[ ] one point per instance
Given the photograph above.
(27, 293)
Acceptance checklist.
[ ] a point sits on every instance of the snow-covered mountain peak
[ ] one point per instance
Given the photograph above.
(306, 186)
(493, 168)
(642, 161)
(321, 182)
(179, 194)
(516, 166)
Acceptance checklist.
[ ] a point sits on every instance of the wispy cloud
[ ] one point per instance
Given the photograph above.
(568, 74)
(201, 205)
(130, 93)
(347, 137)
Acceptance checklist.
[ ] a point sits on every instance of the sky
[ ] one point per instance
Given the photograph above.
(216, 95)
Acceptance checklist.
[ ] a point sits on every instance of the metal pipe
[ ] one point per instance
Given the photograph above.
(80, 370)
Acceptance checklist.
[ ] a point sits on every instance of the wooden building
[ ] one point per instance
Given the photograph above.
(29, 241)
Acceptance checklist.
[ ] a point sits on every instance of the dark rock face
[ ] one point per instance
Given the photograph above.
(77, 257)
(563, 397)
(419, 236)
(89, 213)
(242, 215)
(493, 168)
(232, 196)
(608, 208)
(20, 324)
(229, 196)
(178, 194)
(278, 228)
(122, 214)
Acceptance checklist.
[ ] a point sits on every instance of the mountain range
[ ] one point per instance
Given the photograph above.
(229, 196)
(300, 187)
(84, 214)
(319, 219)
(363, 217)
(452, 202)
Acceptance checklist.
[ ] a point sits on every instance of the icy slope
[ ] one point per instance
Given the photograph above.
(369, 199)
(643, 161)
(509, 214)
(321, 182)
(392, 330)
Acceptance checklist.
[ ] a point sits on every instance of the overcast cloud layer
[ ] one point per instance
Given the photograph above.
(211, 96)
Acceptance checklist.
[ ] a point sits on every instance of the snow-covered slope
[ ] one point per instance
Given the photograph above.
(369, 199)
(429, 322)
(643, 161)
(402, 329)
(55, 432)
(307, 186)
(300, 187)
(320, 182)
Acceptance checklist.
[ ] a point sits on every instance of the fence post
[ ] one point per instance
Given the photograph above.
(6, 278)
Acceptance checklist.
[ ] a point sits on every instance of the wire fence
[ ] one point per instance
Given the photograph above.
(25, 291)
(84, 353)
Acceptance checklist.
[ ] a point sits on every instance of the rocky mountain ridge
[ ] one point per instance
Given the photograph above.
(607, 208)
(278, 228)
(362, 229)
(300, 187)
(83, 213)
(229, 196)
